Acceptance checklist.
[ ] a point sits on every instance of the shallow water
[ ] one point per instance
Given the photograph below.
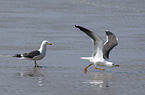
(24, 24)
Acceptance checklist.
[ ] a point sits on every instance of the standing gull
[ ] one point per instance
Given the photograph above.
(101, 50)
(36, 54)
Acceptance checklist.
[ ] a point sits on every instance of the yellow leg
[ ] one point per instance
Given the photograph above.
(36, 64)
(99, 68)
(87, 68)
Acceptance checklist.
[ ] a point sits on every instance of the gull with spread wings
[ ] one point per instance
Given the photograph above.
(100, 56)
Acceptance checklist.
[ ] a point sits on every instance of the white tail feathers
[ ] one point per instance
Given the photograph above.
(87, 58)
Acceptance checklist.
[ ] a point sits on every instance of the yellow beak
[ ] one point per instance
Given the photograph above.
(50, 43)
(117, 65)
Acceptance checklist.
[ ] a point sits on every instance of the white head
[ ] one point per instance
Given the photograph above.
(43, 46)
(110, 64)
(46, 43)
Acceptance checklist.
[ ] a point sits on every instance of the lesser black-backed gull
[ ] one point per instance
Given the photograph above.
(36, 54)
(101, 50)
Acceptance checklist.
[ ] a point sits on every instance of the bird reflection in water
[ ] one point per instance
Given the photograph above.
(100, 80)
(37, 74)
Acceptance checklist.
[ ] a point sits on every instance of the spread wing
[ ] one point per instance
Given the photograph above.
(31, 54)
(111, 42)
(98, 42)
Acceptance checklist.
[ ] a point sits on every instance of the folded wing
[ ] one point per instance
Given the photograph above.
(31, 54)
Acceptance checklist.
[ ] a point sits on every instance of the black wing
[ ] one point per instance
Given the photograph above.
(31, 54)
(111, 42)
(89, 33)
(98, 42)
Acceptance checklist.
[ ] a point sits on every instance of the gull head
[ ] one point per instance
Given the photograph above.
(46, 43)
(111, 64)
(115, 65)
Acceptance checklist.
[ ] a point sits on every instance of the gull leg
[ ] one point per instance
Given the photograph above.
(99, 68)
(36, 64)
(87, 68)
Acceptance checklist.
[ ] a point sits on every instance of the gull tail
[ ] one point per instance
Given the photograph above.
(17, 55)
(86, 58)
